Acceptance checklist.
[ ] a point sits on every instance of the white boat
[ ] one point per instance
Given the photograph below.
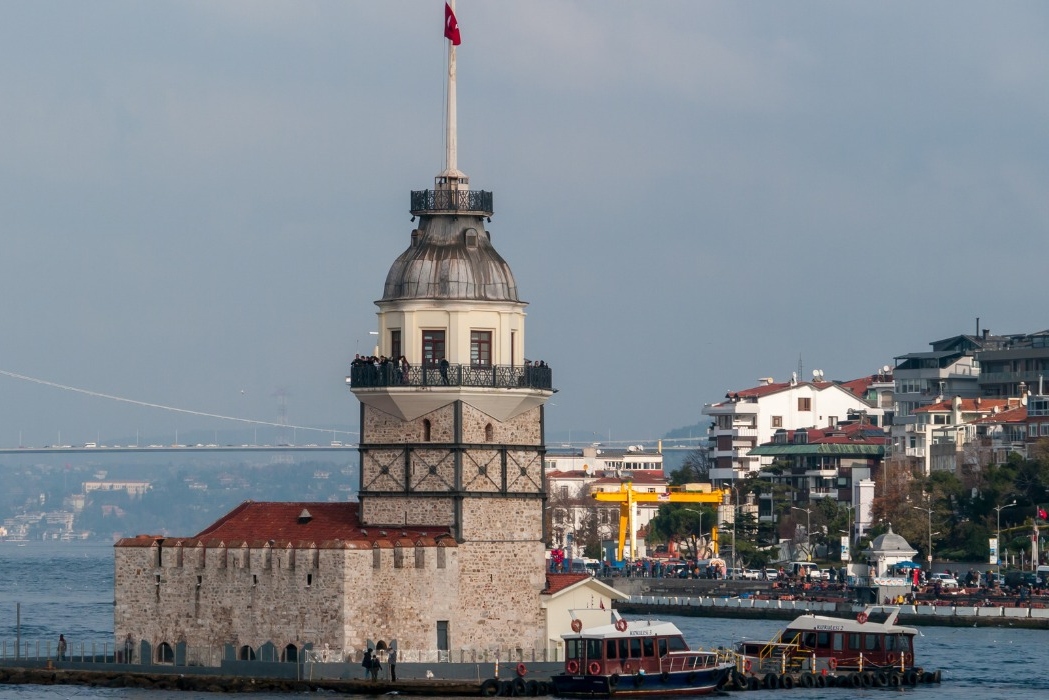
(637, 658)
(814, 650)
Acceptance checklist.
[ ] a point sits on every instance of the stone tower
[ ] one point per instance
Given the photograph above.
(454, 437)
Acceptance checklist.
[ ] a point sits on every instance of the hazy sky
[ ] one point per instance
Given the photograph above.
(200, 199)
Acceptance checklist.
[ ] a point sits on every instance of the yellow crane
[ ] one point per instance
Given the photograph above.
(627, 496)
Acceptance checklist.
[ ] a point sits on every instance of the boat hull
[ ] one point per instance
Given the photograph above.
(695, 682)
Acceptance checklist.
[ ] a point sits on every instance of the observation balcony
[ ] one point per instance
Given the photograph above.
(498, 376)
(477, 202)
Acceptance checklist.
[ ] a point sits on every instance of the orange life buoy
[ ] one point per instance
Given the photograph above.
(621, 625)
(521, 669)
(832, 663)
(907, 658)
(577, 625)
(572, 666)
(595, 668)
(861, 618)
(746, 665)
(892, 658)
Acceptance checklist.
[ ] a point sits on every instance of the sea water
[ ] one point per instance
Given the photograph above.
(67, 588)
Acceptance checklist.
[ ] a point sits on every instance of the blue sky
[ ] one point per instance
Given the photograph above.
(201, 199)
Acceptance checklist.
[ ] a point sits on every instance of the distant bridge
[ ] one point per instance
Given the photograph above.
(141, 449)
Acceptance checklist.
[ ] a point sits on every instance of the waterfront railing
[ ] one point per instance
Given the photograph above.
(498, 376)
(38, 652)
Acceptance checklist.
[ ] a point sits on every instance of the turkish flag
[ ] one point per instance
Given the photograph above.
(451, 26)
(1042, 514)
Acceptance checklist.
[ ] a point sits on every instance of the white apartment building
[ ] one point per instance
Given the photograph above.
(942, 431)
(751, 417)
(598, 460)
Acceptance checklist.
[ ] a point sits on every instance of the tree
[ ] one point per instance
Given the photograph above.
(695, 468)
(681, 524)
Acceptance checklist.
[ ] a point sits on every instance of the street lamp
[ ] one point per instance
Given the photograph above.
(929, 555)
(998, 546)
(808, 530)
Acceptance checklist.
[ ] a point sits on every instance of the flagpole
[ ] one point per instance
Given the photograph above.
(451, 158)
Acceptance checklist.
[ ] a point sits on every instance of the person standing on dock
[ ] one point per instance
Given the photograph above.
(366, 662)
(61, 647)
(392, 661)
(129, 648)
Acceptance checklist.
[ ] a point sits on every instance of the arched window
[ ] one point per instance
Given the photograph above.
(426, 430)
(246, 653)
(165, 654)
(290, 654)
(489, 433)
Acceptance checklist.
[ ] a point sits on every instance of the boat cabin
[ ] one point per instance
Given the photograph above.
(628, 648)
(813, 642)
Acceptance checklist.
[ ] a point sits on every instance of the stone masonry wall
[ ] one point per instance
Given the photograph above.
(242, 602)
(343, 602)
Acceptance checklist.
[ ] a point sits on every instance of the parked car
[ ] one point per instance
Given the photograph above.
(946, 580)
(752, 574)
(771, 574)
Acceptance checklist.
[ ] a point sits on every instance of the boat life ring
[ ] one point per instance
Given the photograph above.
(746, 665)
(891, 657)
(627, 668)
(594, 668)
(907, 657)
(832, 663)
(521, 669)
(577, 625)
(621, 625)
(572, 666)
(861, 618)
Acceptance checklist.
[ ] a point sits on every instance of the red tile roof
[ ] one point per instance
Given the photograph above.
(559, 582)
(258, 523)
(1011, 415)
(967, 406)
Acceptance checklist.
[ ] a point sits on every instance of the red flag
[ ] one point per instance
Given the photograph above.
(451, 26)
(1042, 514)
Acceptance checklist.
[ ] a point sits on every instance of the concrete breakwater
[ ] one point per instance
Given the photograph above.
(232, 684)
(758, 608)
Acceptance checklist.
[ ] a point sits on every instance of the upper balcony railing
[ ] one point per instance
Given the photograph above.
(470, 201)
(497, 376)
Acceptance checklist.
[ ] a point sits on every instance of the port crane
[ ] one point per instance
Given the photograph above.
(627, 496)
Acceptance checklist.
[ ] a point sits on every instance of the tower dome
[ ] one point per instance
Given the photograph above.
(450, 258)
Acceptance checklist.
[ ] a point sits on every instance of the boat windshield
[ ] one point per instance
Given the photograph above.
(583, 648)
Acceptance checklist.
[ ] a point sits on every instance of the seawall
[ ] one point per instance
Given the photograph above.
(765, 609)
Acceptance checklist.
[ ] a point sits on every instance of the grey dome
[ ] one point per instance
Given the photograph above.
(451, 257)
(890, 542)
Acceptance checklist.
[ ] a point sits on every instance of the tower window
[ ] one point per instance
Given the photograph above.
(395, 344)
(481, 348)
(433, 346)
(470, 236)
(489, 433)
(426, 430)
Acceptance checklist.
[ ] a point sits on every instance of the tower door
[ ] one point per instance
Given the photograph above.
(442, 635)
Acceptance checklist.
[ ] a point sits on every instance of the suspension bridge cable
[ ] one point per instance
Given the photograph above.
(174, 409)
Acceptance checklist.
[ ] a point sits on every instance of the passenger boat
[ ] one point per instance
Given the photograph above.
(637, 658)
(870, 650)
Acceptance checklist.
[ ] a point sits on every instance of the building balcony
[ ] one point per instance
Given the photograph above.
(497, 376)
(731, 408)
(918, 452)
(460, 201)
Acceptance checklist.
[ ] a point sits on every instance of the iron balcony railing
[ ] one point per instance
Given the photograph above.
(498, 376)
(472, 201)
